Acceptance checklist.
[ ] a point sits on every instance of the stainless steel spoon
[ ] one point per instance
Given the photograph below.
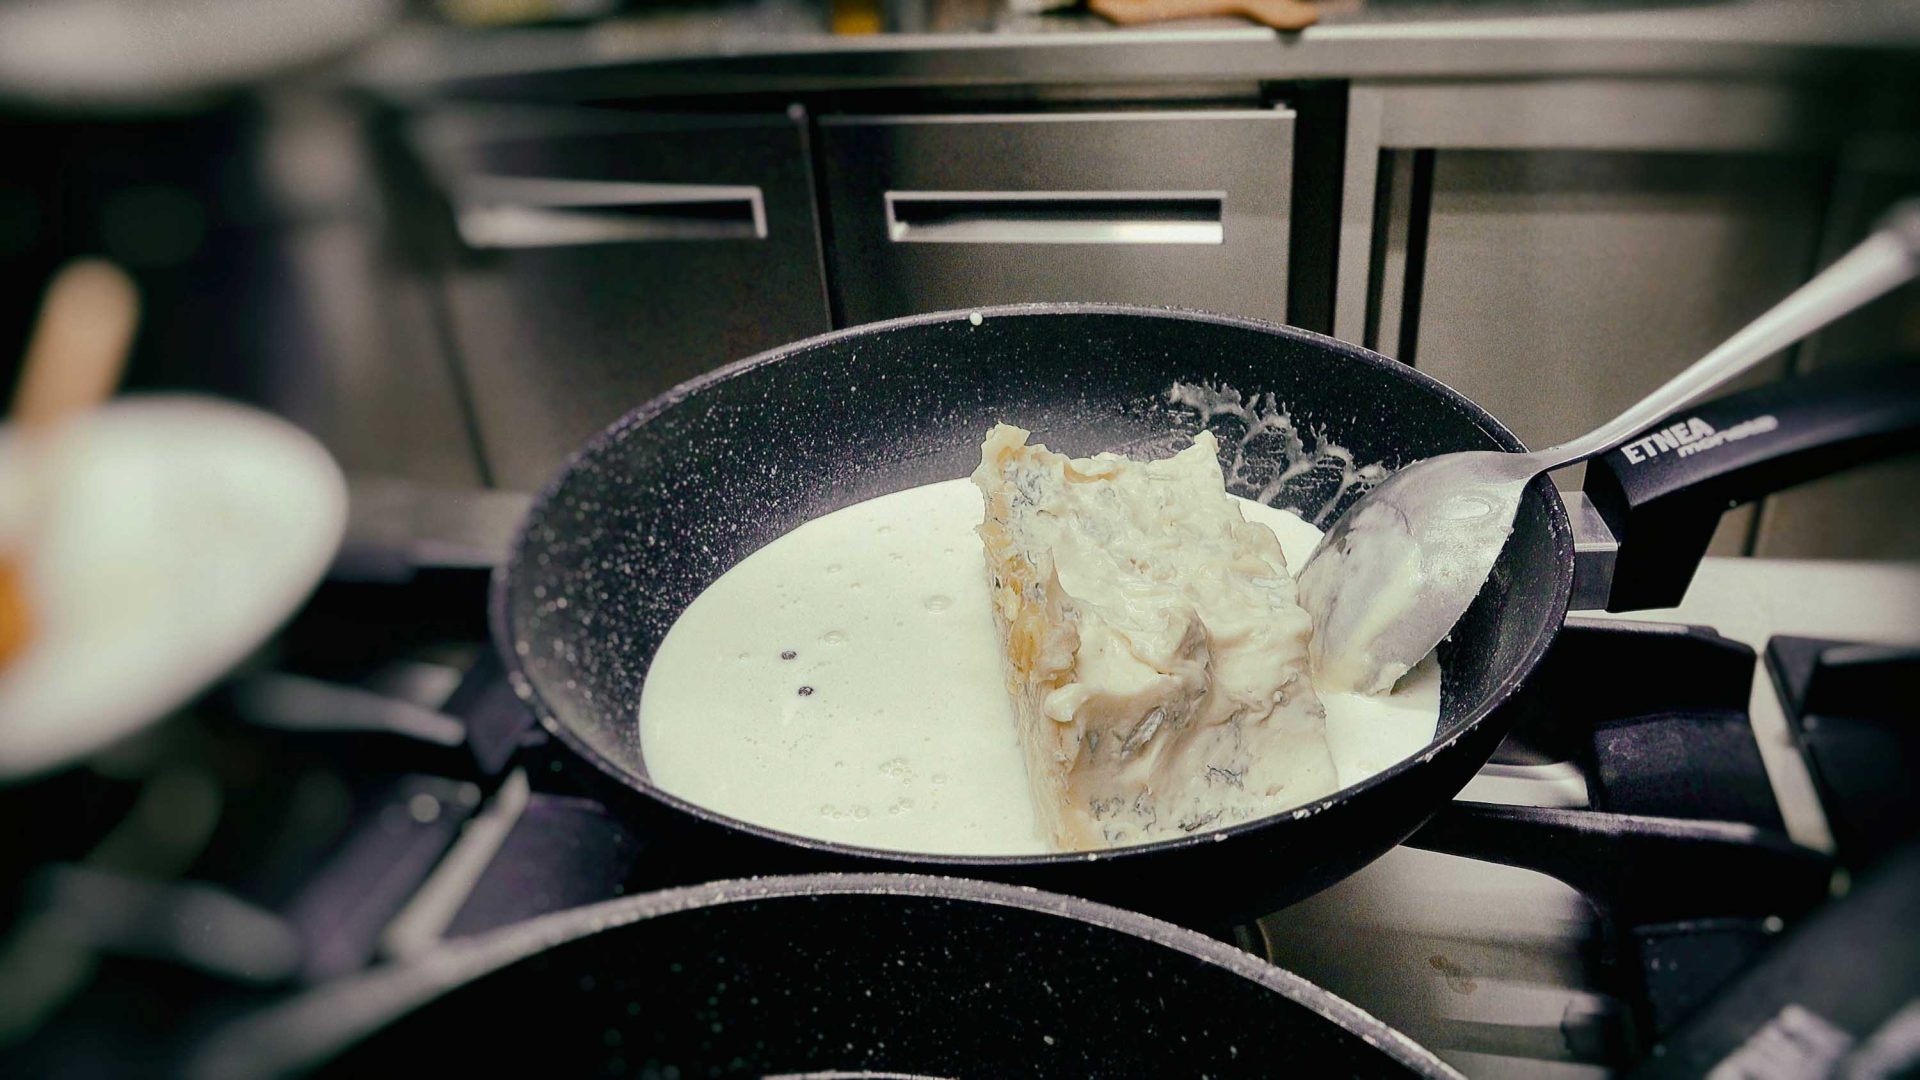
(1401, 566)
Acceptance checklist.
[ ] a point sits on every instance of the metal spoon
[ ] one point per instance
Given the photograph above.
(1401, 566)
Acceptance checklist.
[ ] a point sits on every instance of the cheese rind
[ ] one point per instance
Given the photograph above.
(1156, 650)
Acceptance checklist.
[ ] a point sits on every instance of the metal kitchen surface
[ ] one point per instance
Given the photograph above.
(766, 47)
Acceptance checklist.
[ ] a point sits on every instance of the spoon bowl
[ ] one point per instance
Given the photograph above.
(1395, 572)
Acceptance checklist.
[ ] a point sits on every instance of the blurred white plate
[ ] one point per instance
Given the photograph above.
(185, 531)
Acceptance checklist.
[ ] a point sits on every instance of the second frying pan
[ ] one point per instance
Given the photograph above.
(824, 976)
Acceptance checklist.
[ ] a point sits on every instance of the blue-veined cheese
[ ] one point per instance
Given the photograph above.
(1156, 649)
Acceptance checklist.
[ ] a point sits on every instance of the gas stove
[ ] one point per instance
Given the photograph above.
(1694, 851)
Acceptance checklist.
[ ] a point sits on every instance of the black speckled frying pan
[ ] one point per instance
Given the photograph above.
(656, 508)
(831, 975)
(653, 510)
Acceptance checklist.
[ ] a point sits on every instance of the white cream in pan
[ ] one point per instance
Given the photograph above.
(845, 682)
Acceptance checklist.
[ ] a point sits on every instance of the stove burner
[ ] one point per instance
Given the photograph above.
(1852, 709)
(382, 791)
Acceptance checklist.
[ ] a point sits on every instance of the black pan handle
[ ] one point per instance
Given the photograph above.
(1637, 868)
(1662, 494)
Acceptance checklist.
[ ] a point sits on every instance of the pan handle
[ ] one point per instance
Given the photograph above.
(1662, 494)
(1639, 869)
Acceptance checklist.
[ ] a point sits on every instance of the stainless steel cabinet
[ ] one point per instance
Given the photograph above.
(1562, 286)
(604, 257)
(1556, 247)
(932, 212)
(1871, 512)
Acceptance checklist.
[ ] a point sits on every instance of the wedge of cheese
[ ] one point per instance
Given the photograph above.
(1156, 650)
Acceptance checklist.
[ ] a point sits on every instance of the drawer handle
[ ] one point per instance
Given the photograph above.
(1056, 217)
(515, 212)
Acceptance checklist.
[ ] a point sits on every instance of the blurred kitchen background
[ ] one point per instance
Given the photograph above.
(453, 239)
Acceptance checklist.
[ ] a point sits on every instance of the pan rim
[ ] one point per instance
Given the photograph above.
(312, 1028)
(1559, 529)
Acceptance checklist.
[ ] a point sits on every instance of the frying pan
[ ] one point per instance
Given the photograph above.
(657, 507)
(830, 975)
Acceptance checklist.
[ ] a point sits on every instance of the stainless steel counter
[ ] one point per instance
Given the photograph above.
(765, 47)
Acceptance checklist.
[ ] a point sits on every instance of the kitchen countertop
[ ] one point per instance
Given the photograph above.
(767, 46)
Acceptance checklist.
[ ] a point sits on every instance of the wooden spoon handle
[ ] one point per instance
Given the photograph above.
(79, 345)
(74, 360)
(1279, 14)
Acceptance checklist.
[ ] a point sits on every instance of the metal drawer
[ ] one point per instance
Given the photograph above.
(605, 257)
(1181, 208)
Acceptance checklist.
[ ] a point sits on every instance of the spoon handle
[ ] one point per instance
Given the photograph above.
(1887, 259)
